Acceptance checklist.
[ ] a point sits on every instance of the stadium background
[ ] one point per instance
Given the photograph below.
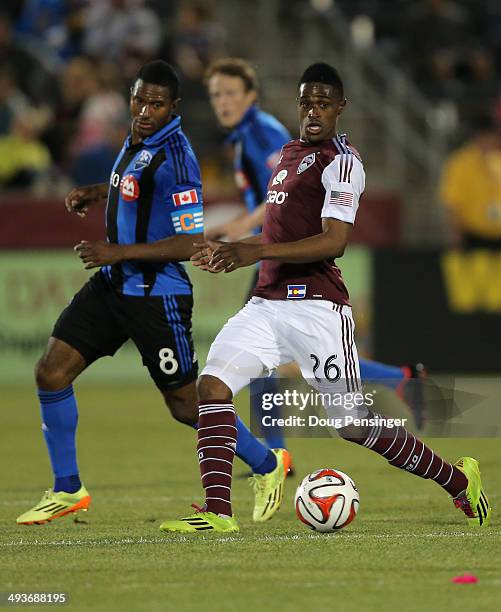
(418, 75)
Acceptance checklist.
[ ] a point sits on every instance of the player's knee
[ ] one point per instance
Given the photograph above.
(184, 413)
(182, 404)
(349, 433)
(51, 378)
(352, 433)
(212, 388)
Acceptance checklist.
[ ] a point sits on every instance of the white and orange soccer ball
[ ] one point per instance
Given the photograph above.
(327, 500)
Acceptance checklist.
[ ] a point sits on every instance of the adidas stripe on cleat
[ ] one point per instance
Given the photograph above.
(200, 522)
(269, 488)
(473, 501)
(55, 505)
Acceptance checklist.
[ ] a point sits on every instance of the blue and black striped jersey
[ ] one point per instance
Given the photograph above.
(257, 140)
(155, 192)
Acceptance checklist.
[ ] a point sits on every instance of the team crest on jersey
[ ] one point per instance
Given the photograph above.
(306, 162)
(129, 188)
(296, 292)
(280, 177)
(143, 160)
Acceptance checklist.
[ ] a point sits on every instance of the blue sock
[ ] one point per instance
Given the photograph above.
(70, 484)
(390, 376)
(268, 465)
(59, 424)
(273, 435)
(259, 457)
(253, 452)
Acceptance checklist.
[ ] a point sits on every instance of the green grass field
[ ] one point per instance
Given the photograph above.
(140, 467)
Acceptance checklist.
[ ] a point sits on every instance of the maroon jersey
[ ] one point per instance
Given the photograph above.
(310, 181)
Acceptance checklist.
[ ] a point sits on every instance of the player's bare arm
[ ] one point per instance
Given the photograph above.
(255, 239)
(231, 230)
(100, 253)
(330, 244)
(241, 226)
(236, 228)
(80, 198)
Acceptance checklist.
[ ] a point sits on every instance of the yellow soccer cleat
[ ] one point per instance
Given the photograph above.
(473, 502)
(200, 522)
(269, 488)
(54, 505)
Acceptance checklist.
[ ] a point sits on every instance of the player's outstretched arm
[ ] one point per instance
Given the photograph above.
(237, 228)
(80, 198)
(330, 244)
(100, 253)
(255, 239)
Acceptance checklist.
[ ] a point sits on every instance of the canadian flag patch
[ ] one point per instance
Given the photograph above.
(185, 197)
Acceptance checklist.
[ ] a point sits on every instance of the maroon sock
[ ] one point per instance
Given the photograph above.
(403, 450)
(217, 441)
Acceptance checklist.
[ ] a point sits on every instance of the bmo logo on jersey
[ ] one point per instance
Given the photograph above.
(276, 197)
(129, 188)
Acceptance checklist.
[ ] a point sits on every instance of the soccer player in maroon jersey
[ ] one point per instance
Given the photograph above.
(300, 311)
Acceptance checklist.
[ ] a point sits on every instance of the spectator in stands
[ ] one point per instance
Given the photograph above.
(12, 100)
(23, 158)
(116, 29)
(92, 103)
(431, 26)
(479, 77)
(58, 24)
(34, 75)
(471, 188)
(94, 164)
(199, 40)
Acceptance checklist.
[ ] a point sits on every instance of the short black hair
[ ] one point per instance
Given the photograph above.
(161, 73)
(320, 72)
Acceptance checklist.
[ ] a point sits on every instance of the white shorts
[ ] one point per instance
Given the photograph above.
(265, 334)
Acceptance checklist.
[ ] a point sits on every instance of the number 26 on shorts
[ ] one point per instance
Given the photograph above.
(332, 373)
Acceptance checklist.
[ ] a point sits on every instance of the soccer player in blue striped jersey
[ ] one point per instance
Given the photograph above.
(141, 292)
(257, 139)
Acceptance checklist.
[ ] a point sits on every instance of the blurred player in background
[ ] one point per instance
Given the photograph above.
(300, 312)
(257, 139)
(142, 292)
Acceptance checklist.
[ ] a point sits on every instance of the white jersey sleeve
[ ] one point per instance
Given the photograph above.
(344, 183)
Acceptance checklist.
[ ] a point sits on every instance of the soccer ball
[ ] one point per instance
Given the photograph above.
(327, 500)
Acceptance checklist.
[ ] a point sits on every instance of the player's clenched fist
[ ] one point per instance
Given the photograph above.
(80, 198)
(95, 254)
